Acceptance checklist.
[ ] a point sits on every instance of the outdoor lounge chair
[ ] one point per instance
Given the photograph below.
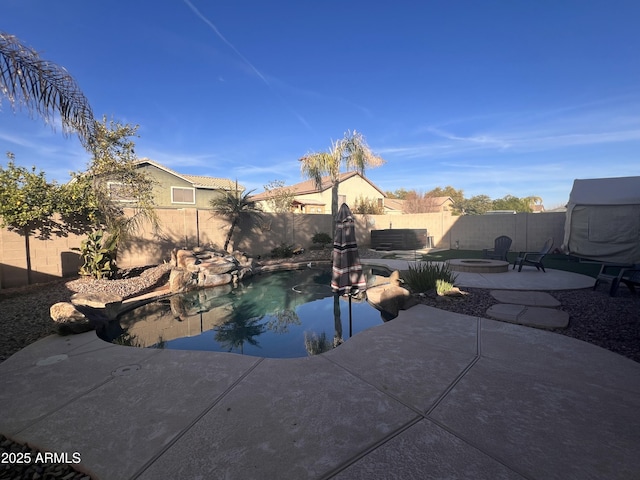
(629, 276)
(534, 258)
(501, 246)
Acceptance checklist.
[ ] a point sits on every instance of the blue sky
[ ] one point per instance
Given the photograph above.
(491, 97)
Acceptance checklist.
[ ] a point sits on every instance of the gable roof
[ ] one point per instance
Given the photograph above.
(197, 181)
(394, 204)
(309, 186)
(398, 204)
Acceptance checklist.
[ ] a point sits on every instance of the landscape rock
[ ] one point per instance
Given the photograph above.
(202, 268)
(69, 319)
(389, 299)
(108, 304)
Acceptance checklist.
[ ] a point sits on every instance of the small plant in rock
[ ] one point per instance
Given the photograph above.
(424, 276)
(443, 287)
(283, 251)
(99, 255)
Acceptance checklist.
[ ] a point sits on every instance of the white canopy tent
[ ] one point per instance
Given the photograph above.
(603, 220)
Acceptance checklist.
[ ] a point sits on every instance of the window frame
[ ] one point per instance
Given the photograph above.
(192, 189)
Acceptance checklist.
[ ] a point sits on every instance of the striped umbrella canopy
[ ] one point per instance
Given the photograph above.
(347, 277)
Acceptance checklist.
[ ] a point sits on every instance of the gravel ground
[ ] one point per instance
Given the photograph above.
(595, 317)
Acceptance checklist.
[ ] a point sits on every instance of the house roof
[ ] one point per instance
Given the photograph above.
(394, 204)
(308, 186)
(198, 181)
(398, 204)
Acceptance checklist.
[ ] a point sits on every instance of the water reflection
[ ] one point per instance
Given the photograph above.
(284, 314)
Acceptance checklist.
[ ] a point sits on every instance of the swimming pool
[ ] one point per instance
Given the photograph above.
(277, 315)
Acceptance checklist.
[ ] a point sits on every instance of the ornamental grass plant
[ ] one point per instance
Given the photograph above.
(426, 276)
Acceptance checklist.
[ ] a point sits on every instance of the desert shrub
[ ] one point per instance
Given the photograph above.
(99, 255)
(321, 238)
(283, 251)
(424, 276)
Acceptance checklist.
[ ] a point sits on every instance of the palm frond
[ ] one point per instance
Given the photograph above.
(43, 87)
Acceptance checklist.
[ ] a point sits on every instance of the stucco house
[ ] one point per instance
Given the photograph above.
(395, 206)
(179, 190)
(307, 198)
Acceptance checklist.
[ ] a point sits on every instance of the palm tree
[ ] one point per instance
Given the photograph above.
(352, 151)
(43, 87)
(235, 206)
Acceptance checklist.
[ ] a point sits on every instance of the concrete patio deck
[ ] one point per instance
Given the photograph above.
(430, 394)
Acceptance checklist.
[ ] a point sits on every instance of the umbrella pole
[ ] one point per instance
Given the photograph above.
(350, 324)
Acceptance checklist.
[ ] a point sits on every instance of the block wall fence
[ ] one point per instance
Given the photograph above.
(59, 257)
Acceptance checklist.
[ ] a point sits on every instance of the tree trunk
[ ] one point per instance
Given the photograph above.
(334, 206)
(228, 239)
(27, 251)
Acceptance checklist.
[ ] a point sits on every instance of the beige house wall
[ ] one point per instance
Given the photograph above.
(191, 227)
(352, 189)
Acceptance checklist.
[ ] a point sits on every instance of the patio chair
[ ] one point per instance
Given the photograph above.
(534, 258)
(501, 246)
(629, 276)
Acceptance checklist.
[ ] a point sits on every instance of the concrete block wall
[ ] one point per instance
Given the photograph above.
(51, 259)
(190, 227)
(528, 231)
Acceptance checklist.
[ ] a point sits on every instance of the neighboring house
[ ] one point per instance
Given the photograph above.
(179, 190)
(440, 204)
(395, 206)
(307, 198)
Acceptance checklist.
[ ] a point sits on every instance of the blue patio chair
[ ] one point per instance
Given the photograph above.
(534, 258)
(629, 276)
(501, 246)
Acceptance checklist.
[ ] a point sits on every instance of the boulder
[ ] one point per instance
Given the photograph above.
(183, 258)
(215, 280)
(69, 319)
(108, 304)
(203, 268)
(389, 299)
(395, 280)
(217, 265)
(181, 281)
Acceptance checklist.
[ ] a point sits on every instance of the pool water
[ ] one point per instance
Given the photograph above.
(277, 315)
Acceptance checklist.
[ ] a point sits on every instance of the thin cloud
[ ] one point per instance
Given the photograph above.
(262, 77)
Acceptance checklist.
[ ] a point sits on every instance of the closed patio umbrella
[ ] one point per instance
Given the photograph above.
(347, 277)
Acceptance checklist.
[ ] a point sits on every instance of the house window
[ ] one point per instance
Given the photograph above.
(183, 195)
(117, 192)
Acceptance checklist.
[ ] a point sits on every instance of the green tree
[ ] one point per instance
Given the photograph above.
(399, 194)
(456, 195)
(111, 183)
(235, 206)
(352, 152)
(476, 205)
(27, 203)
(510, 202)
(43, 87)
(280, 197)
